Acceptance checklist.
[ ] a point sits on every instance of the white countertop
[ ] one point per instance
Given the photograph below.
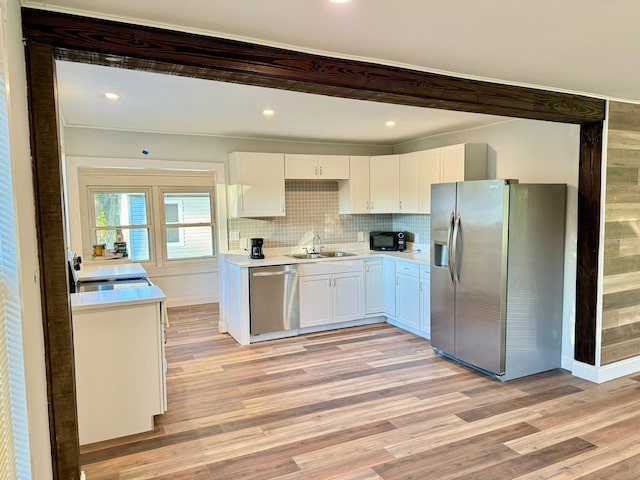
(278, 256)
(109, 271)
(116, 297)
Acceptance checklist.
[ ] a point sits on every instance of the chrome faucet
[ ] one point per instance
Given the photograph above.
(313, 243)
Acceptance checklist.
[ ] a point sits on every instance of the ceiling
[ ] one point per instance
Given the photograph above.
(542, 43)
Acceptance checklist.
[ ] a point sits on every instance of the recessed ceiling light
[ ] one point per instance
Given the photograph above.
(339, 1)
(390, 123)
(112, 96)
(267, 112)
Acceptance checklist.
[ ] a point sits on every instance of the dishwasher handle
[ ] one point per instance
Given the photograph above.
(273, 274)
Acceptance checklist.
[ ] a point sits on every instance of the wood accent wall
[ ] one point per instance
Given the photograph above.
(621, 292)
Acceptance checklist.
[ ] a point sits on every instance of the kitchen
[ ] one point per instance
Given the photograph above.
(530, 151)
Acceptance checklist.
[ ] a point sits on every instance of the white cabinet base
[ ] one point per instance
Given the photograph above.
(119, 370)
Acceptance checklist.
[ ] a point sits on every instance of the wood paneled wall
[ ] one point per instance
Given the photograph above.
(621, 294)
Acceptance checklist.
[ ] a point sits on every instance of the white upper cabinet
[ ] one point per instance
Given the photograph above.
(316, 167)
(384, 184)
(467, 161)
(256, 184)
(409, 182)
(354, 193)
(429, 173)
(455, 163)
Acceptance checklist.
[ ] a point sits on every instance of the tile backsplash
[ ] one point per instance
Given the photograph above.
(312, 209)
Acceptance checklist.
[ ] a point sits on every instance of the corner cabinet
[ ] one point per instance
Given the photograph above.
(384, 183)
(256, 184)
(353, 194)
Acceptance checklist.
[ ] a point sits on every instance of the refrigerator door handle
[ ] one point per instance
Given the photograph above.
(456, 231)
(449, 245)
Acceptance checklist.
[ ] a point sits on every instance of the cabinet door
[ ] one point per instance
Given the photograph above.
(384, 178)
(333, 167)
(425, 305)
(389, 287)
(374, 302)
(408, 300)
(429, 173)
(300, 166)
(354, 193)
(348, 296)
(452, 163)
(315, 300)
(409, 183)
(257, 179)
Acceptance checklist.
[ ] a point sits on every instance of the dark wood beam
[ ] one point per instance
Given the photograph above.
(92, 40)
(56, 313)
(589, 199)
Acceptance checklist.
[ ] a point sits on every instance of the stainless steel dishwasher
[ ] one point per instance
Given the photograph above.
(273, 299)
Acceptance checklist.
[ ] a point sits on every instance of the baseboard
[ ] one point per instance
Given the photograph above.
(191, 300)
(606, 372)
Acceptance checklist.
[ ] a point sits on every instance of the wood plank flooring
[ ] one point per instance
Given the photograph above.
(366, 403)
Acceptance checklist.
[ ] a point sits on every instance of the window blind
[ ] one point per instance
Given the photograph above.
(14, 440)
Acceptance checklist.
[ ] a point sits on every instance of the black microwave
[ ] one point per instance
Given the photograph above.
(387, 241)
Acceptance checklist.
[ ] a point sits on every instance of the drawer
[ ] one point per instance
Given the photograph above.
(330, 267)
(425, 271)
(411, 269)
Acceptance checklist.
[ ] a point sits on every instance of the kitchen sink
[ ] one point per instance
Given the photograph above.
(314, 256)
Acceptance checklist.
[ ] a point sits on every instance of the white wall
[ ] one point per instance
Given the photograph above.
(91, 142)
(33, 338)
(532, 152)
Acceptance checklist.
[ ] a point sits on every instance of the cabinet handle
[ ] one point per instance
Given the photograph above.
(372, 206)
(283, 208)
(320, 171)
(400, 204)
(420, 286)
(316, 171)
(367, 268)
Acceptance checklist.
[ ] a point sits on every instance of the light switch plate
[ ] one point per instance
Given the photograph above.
(361, 236)
(234, 236)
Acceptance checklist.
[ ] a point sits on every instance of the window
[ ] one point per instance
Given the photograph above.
(125, 212)
(188, 226)
(163, 218)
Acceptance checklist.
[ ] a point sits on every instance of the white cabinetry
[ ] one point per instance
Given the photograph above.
(384, 183)
(454, 163)
(320, 167)
(408, 294)
(374, 283)
(410, 182)
(389, 281)
(256, 184)
(354, 193)
(425, 300)
(331, 292)
(119, 368)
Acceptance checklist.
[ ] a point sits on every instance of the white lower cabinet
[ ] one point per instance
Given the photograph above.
(425, 300)
(327, 298)
(374, 283)
(389, 291)
(406, 295)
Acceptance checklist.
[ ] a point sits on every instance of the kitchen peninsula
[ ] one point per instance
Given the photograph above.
(118, 333)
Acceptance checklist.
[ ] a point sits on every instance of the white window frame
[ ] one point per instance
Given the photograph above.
(127, 180)
(180, 206)
(213, 223)
(148, 193)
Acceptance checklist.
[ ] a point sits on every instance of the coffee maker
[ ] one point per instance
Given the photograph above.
(256, 248)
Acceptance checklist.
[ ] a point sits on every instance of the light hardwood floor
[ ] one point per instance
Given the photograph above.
(366, 403)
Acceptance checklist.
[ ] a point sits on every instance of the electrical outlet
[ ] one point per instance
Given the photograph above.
(244, 243)
(361, 236)
(234, 236)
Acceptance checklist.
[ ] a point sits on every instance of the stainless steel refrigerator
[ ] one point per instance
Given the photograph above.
(497, 263)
